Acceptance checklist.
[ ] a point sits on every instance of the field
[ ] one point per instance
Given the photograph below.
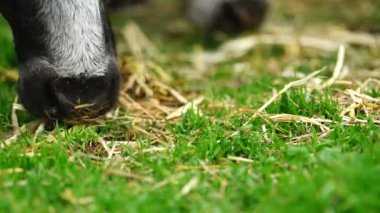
(282, 120)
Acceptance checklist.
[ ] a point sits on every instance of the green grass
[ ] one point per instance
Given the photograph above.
(7, 60)
(69, 170)
(7, 56)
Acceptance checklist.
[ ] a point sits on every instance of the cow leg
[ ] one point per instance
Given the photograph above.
(115, 4)
(229, 16)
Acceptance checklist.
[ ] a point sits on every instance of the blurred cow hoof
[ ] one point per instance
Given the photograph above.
(228, 16)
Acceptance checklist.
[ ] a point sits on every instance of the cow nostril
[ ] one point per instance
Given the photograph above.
(54, 97)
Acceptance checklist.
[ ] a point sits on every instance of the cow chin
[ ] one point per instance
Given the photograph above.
(46, 94)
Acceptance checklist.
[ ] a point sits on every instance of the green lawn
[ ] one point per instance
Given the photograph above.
(298, 154)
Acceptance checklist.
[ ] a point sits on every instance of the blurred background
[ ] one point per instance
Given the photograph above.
(353, 15)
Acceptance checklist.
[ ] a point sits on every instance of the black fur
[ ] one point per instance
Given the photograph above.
(240, 15)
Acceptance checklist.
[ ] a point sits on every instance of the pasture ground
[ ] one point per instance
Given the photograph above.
(285, 120)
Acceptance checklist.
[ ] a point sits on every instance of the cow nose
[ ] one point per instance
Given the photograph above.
(75, 97)
(84, 97)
